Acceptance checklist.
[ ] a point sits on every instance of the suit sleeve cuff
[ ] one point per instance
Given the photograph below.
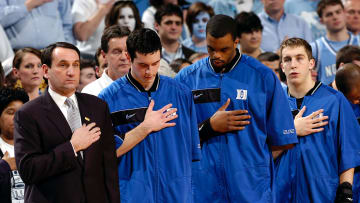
(73, 149)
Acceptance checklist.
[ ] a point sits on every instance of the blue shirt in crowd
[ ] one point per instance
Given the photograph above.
(43, 25)
(274, 32)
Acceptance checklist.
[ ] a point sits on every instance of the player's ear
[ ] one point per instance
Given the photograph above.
(312, 64)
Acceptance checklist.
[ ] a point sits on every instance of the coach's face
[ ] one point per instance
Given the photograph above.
(64, 73)
(221, 50)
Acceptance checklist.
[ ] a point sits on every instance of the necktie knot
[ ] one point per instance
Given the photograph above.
(70, 103)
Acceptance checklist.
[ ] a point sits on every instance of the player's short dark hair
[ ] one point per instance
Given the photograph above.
(268, 56)
(221, 25)
(247, 22)
(347, 78)
(176, 64)
(19, 55)
(168, 10)
(323, 3)
(114, 31)
(143, 41)
(194, 10)
(296, 42)
(347, 54)
(46, 54)
(8, 95)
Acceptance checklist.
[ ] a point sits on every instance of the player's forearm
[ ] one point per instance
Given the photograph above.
(132, 138)
(347, 176)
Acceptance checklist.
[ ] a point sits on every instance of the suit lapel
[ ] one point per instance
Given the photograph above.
(55, 116)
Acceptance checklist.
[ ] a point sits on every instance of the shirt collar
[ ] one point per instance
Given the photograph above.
(105, 76)
(311, 91)
(139, 87)
(270, 19)
(60, 99)
(228, 67)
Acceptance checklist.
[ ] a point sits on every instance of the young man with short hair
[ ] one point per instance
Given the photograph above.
(168, 24)
(320, 167)
(157, 169)
(239, 103)
(250, 33)
(324, 49)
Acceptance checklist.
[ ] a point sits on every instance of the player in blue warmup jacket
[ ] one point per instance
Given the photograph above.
(320, 168)
(158, 169)
(324, 49)
(347, 81)
(237, 137)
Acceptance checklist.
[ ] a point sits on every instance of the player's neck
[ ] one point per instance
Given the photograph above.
(339, 36)
(301, 89)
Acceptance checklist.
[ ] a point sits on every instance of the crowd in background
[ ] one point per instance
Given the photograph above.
(332, 28)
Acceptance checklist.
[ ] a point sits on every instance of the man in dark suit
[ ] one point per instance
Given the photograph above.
(59, 151)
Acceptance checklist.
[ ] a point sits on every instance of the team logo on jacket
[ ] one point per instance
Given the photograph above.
(241, 94)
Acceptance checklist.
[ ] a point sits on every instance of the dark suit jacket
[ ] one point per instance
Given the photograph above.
(46, 161)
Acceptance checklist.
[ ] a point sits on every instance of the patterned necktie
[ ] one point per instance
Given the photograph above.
(73, 116)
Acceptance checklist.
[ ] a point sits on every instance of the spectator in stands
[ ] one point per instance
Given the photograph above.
(11, 185)
(169, 21)
(348, 80)
(88, 17)
(179, 64)
(197, 17)
(100, 63)
(124, 13)
(352, 12)
(324, 49)
(5, 46)
(87, 73)
(36, 23)
(148, 17)
(306, 9)
(27, 68)
(271, 60)
(347, 54)
(113, 48)
(249, 30)
(279, 25)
